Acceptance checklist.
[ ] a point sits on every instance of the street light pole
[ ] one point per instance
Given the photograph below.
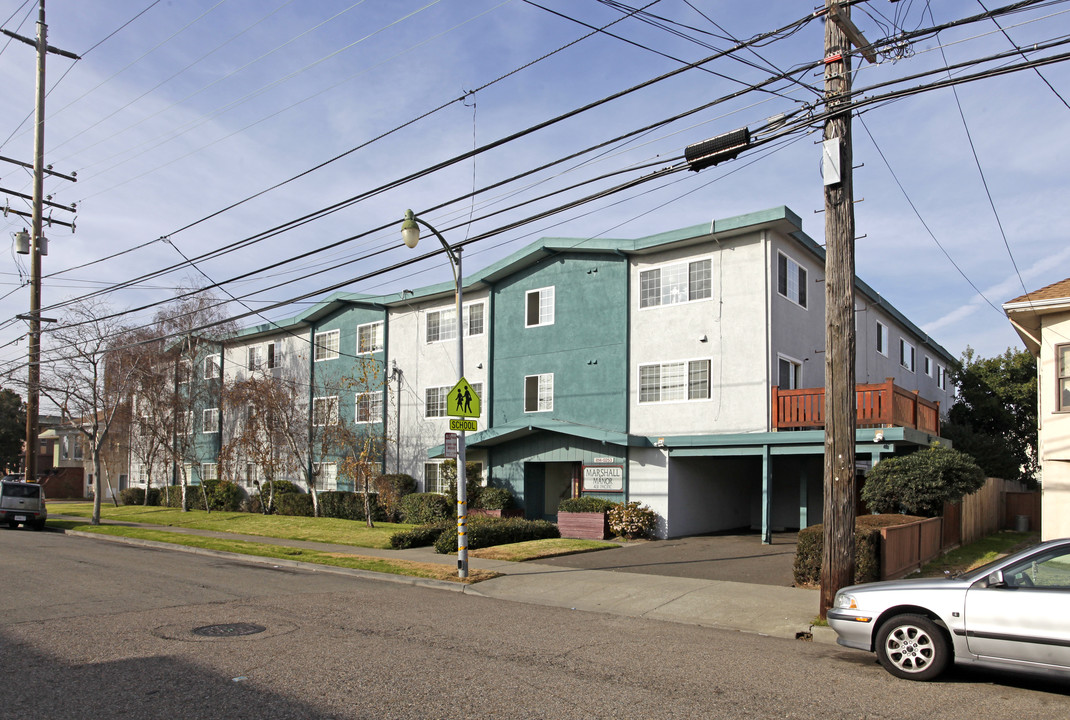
(410, 233)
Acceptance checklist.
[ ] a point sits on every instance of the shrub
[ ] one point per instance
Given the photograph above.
(421, 536)
(136, 496)
(632, 520)
(472, 487)
(298, 504)
(222, 495)
(347, 505)
(495, 498)
(488, 532)
(390, 489)
(808, 551)
(423, 508)
(172, 496)
(922, 482)
(586, 504)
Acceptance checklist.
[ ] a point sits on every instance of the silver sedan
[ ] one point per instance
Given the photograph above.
(1012, 613)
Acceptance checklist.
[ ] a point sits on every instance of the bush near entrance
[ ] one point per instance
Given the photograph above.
(632, 520)
(921, 483)
(585, 504)
(487, 532)
(867, 548)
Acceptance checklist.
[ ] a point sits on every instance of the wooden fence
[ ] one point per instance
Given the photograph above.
(996, 506)
(905, 548)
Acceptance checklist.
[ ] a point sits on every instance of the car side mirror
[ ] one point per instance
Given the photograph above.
(996, 579)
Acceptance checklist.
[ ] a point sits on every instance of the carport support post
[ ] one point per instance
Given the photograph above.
(767, 498)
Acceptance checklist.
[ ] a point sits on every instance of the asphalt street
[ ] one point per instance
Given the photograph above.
(104, 630)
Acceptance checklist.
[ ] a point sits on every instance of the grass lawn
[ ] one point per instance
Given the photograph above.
(536, 549)
(433, 571)
(976, 554)
(325, 530)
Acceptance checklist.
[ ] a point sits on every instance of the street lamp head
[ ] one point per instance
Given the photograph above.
(410, 231)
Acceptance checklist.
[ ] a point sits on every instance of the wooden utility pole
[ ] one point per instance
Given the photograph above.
(33, 379)
(837, 561)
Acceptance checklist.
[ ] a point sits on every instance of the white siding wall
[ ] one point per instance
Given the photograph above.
(1054, 447)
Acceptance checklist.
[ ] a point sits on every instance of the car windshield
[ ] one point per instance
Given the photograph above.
(20, 490)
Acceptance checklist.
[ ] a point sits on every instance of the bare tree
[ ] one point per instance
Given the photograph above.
(194, 323)
(151, 427)
(363, 444)
(262, 413)
(89, 376)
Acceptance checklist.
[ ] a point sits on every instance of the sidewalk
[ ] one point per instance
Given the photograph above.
(764, 609)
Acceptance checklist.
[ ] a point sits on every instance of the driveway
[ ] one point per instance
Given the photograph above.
(734, 558)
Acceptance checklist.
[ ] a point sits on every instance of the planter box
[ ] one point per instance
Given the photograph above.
(583, 525)
(497, 513)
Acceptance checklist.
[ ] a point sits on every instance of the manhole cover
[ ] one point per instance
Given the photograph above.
(229, 630)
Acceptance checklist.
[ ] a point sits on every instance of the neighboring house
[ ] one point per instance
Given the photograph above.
(1042, 319)
(682, 370)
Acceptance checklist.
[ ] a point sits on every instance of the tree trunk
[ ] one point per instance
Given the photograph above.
(367, 503)
(96, 489)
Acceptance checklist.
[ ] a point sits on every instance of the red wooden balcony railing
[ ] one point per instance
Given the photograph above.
(883, 405)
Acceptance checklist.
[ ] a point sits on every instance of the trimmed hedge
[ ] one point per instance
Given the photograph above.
(421, 536)
(424, 508)
(136, 496)
(811, 544)
(391, 488)
(488, 532)
(222, 495)
(494, 498)
(296, 504)
(347, 506)
(586, 504)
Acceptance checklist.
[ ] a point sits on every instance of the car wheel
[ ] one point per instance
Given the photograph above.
(913, 647)
(12, 524)
(39, 525)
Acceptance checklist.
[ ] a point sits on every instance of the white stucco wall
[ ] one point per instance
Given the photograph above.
(425, 365)
(726, 328)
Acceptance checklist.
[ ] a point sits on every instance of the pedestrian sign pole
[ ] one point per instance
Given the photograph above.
(462, 403)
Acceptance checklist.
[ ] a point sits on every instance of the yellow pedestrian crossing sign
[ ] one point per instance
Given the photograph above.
(462, 400)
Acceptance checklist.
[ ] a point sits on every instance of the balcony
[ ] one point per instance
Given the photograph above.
(883, 405)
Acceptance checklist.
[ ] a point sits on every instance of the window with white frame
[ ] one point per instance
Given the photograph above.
(369, 407)
(539, 393)
(435, 480)
(674, 381)
(1062, 377)
(250, 475)
(254, 357)
(676, 283)
(441, 325)
(882, 339)
(370, 337)
(192, 473)
(791, 279)
(326, 475)
(325, 411)
(210, 420)
(272, 355)
(184, 370)
(326, 345)
(539, 307)
(209, 471)
(788, 373)
(928, 366)
(941, 377)
(436, 399)
(185, 423)
(211, 367)
(906, 355)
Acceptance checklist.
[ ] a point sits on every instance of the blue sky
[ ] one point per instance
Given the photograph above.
(199, 104)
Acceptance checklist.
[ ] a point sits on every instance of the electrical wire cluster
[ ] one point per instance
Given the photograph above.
(778, 101)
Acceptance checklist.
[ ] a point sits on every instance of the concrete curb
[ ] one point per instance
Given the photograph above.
(276, 562)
